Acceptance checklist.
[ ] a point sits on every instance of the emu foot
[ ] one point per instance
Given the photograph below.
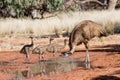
(87, 65)
(66, 54)
(43, 60)
(27, 61)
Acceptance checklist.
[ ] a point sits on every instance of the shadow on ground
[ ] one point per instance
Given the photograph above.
(106, 48)
(105, 77)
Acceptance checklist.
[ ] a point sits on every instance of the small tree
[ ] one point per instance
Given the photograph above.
(54, 5)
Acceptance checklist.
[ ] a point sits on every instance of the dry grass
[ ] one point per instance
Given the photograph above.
(60, 22)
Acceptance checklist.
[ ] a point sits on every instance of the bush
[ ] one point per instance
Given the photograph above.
(18, 8)
(112, 28)
(109, 26)
(117, 28)
(54, 5)
(15, 8)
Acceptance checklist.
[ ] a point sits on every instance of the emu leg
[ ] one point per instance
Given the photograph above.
(43, 57)
(39, 56)
(53, 54)
(28, 58)
(43, 71)
(27, 55)
(73, 49)
(42, 68)
(87, 60)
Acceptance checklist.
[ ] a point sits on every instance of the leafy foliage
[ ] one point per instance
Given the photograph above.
(17, 8)
(21, 8)
(54, 5)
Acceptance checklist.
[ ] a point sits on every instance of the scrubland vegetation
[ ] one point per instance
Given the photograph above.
(59, 23)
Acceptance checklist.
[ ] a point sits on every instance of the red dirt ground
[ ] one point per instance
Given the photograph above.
(104, 55)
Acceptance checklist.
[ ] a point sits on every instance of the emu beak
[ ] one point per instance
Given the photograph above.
(66, 54)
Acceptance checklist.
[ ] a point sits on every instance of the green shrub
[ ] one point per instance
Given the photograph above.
(109, 26)
(54, 5)
(117, 28)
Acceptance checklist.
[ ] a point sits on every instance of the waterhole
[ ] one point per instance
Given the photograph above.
(49, 68)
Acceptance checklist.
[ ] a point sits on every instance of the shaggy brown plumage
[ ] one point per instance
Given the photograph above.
(82, 33)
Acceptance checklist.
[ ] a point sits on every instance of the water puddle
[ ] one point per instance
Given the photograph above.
(55, 66)
(50, 67)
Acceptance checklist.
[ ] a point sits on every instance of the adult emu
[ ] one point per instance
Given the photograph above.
(82, 33)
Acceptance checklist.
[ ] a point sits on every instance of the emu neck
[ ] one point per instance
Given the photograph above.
(32, 43)
(65, 43)
(50, 42)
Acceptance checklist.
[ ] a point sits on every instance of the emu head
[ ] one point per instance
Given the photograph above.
(103, 33)
(31, 37)
(50, 40)
(32, 40)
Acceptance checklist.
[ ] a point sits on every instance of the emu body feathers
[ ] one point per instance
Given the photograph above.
(82, 33)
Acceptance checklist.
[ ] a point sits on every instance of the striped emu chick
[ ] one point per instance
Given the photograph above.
(54, 47)
(26, 49)
(82, 33)
(41, 50)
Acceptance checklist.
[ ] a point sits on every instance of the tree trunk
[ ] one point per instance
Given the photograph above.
(112, 4)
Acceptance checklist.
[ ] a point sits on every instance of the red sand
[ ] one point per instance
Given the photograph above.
(105, 57)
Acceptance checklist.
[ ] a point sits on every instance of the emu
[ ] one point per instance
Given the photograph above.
(41, 49)
(56, 47)
(82, 33)
(27, 48)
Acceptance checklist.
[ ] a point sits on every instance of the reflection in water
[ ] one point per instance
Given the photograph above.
(49, 67)
(53, 66)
